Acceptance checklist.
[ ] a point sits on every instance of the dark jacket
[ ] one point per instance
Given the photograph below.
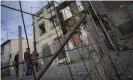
(27, 56)
(16, 59)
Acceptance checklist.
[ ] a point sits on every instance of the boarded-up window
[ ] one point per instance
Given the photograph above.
(46, 50)
(57, 46)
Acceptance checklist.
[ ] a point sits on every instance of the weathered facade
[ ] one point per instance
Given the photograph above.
(45, 33)
(65, 15)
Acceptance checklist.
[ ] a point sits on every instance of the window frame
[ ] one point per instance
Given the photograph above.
(40, 28)
(54, 21)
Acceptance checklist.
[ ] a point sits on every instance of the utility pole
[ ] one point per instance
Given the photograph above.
(20, 50)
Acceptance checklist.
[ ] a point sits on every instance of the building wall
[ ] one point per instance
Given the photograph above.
(6, 55)
(46, 38)
(5, 58)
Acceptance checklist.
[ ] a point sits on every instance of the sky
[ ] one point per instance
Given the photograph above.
(11, 19)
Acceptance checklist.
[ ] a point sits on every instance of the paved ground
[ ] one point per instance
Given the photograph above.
(62, 73)
(59, 72)
(123, 63)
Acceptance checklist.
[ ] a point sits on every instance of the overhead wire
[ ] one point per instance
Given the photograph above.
(3, 21)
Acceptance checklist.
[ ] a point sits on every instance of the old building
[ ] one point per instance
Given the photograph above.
(9, 50)
(44, 31)
(46, 36)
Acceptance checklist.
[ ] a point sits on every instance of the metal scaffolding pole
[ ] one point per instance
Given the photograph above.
(20, 50)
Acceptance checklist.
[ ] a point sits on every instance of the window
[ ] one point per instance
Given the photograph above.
(46, 50)
(55, 21)
(42, 29)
